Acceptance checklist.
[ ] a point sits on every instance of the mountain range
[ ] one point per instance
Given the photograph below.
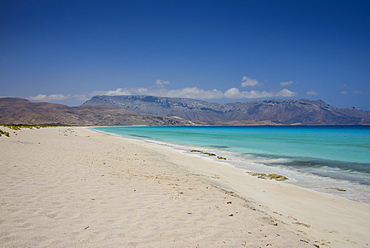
(22, 111)
(165, 111)
(285, 112)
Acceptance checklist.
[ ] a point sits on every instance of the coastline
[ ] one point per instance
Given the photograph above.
(325, 216)
(73, 186)
(330, 164)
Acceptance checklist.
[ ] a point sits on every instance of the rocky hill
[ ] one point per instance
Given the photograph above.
(164, 111)
(21, 111)
(305, 112)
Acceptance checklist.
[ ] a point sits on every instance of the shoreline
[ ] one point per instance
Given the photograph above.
(323, 183)
(233, 179)
(73, 186)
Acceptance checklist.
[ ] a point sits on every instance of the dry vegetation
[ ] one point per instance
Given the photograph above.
(18, 127)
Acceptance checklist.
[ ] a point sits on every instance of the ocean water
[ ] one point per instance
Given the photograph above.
(329, 159)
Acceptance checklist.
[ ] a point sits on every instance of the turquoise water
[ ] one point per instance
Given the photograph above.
(317, 157)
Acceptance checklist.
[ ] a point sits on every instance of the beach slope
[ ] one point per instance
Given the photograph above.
(74, 187)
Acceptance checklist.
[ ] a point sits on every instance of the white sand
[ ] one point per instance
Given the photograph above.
(73, 187)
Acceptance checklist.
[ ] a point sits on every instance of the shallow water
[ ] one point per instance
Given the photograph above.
(324, 158)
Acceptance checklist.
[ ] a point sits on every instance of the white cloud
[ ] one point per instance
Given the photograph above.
(312, 93)
(354, 92)
(246, 81)
(117, 92)
(236, 93)
(193, 92)
(233, 93)
(80, 97)
(52, 97)
(286, 83)
(161, 83)
(286, 93)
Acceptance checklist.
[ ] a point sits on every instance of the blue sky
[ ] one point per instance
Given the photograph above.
(220, 51)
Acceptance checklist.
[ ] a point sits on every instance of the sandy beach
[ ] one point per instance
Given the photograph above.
(75, 187)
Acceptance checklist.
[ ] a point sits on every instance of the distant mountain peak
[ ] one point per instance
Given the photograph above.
(167, 111)
(278, 111)
(22, 111)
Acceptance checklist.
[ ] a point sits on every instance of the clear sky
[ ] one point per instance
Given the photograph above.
(66, 51)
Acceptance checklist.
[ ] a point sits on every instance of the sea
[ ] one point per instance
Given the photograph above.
(329, 159)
